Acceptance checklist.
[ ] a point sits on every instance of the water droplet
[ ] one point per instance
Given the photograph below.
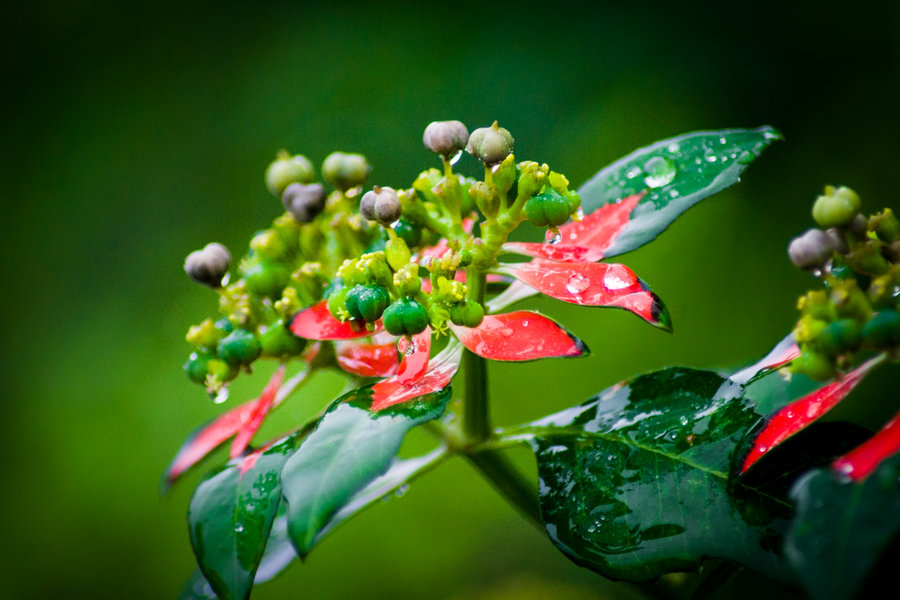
(410, 348)
(633, 172)
(674, 193)
(789, 414)
(673, 147)
(238, 528)
(722, 140)
(577, 283)
(456, 157)
(220, 396)
(401, 491)
(770, 135)
(683, 420)
(617, 278)
(710, 156)
(579, 214)
(672, 435)
(553, 237)
(762, 449)
(507, 332)
(896, 291)
(659, 171)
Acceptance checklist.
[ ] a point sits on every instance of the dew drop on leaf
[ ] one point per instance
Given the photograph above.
(659, 171)
(401, 491)
(577, 283)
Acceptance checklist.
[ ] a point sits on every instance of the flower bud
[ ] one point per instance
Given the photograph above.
(381, 204)
(532, 177)
(304, 202)
(885, 225)
(837, 207)
(810, 249)
(486, 199)
(490, 144)
(882, 330)
(209, 265)
(239, 347)
(287, 169)
(445, 137)
(868, 259)
(345, 171)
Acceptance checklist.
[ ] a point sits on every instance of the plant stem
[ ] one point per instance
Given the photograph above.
(507, 480)
(476, 419)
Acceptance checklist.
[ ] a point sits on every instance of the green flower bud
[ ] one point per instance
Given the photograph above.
(850, 301)
(367, 302)
(445, 137)
(278, 341)
(868, 259)
(337, 303)
(397, 253)
(197, 366)
(240, 347)
(814, 365)
(839, 337)
(486, 199)
(817, 305)
(837, 207)
(304, 202)
(885, 225)
(269, 245)
(380, 204)
(405, 317)
(345, 171)
(882, 330)
(285, 170)
(220, 371)
(490, 144)
(208, 265)
(532, 178)
(548, 209)
(409, 232)
(205, 335)
(266, 279)
(811, 249)
(808, 328)
(504, 174)
(467, 313)
(407, 280)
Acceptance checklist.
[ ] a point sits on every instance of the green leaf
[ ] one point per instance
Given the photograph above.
(842, 527)
(635, 482)
(349, 449)
(675, 174)
(231, 514)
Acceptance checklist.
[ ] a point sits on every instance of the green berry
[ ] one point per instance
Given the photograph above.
(240, 347)
(405, 317)
(467, 313)
(839, 337)
(836, 207)
(197, 366)
(814, 365)
(266, 279)
(345, 171)
(337, 303)
(221, 370)
(367, 302)
(285, 170)
(409, 232)
(278, 341)
(225, 325)
(548, 209)
(882, 330)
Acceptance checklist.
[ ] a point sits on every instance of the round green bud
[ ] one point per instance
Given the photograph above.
(810, 249)
(467, 313)
(285, 170)
(345, 171)
(836, 207)
(304, 202)
(409, 232)
(885, 225)
(850, 301)
(548, 209)
(367, 302)
(197, 366)
(337, 303)
(405, 317)
(490, 144)
(269, 245)
(808, 328)
(397, 253)
(208, 265)
(266, 279)
(839, 337)
(278, 341)
(240, 347)
(813, 364)
(204, 335)
(868, 258)
(221, 370)
(882, 330)
(380, 204)
(445, 137)
(225, 325)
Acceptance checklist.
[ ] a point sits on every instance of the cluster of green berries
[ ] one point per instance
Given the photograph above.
(362, 250)
(858, 259)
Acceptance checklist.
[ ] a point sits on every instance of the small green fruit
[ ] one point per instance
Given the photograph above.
(240, 347)
(278, 341)
(345, 171)
(266, 279)
(490, 144)
(285, 170)
(409, 232)
(836, 207)
(467, 313)
(367, 302)
(197, 366)
(840, 337)
(405, 317)
(882, 330)
(814, 365)
(548, 209)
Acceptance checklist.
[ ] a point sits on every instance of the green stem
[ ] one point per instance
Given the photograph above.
(507, 480)
(476, 420)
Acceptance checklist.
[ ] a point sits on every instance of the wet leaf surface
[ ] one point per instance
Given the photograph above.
(367, 360)
(520, 336)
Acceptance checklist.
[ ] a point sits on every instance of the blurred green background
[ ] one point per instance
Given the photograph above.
(135, 133)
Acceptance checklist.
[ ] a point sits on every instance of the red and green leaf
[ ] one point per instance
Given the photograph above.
(418, 375)
(520, 336)
(862, 461)
(260, 411)
(367, 360)
(317, 323)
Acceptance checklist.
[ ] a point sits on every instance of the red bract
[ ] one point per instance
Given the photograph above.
(860, 462)
(260, 410)
(367, 360)
(519, 336)
(403, 387)
(317, 323)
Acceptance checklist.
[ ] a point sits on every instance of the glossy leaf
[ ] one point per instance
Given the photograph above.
(675, 174)
(231, 514)
(593, 284)
(841, 528)
(862, 461)
(316, 323)
(368, 360)
(263, 406)
(412, 382)
(635, 482)
(784, 351)
(798, 414)
(351, 446)
(518, 336)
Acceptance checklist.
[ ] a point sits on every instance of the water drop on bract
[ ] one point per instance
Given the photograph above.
(238, 528)
(553, 237)
(410, 347)
(617, 278)
(710, 156)
(220, 396)
(577, 283)
(746, 157)
(456, 157)
(507, 332)
(659, 171)
(579, 214)
(633, 172)
(402, 490)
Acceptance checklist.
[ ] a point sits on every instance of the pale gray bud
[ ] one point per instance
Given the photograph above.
(490, 144)
(445, 137)
(304, 202)
(381, 204)
(208, 265)
(811, 249)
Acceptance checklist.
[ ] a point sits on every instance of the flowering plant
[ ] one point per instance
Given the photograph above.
(399, 288)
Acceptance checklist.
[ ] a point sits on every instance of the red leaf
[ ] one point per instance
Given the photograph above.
(593, 284)
(263, 405)
(784, 352)
(316, 323)
(800, 413)
(437, 376)
(518, 336)
(368, 360)
(415, 359)
(600, 229)
(558, 252)
(860, 462)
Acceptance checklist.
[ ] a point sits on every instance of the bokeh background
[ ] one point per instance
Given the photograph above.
(134, 133)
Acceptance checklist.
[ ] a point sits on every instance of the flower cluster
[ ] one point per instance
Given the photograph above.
(858, 259)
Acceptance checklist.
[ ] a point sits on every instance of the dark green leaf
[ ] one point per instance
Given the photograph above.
(230, 517)
(676, 174)
(635, 482)
(842, 527)
(350, 447)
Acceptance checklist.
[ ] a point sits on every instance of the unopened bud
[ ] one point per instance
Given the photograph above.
(287, 169)
(344, 170)
(381, 204)
(304, 202)
(837, 207)
(490, 144)
(208, 265)
(811, 249)
(445, 137)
